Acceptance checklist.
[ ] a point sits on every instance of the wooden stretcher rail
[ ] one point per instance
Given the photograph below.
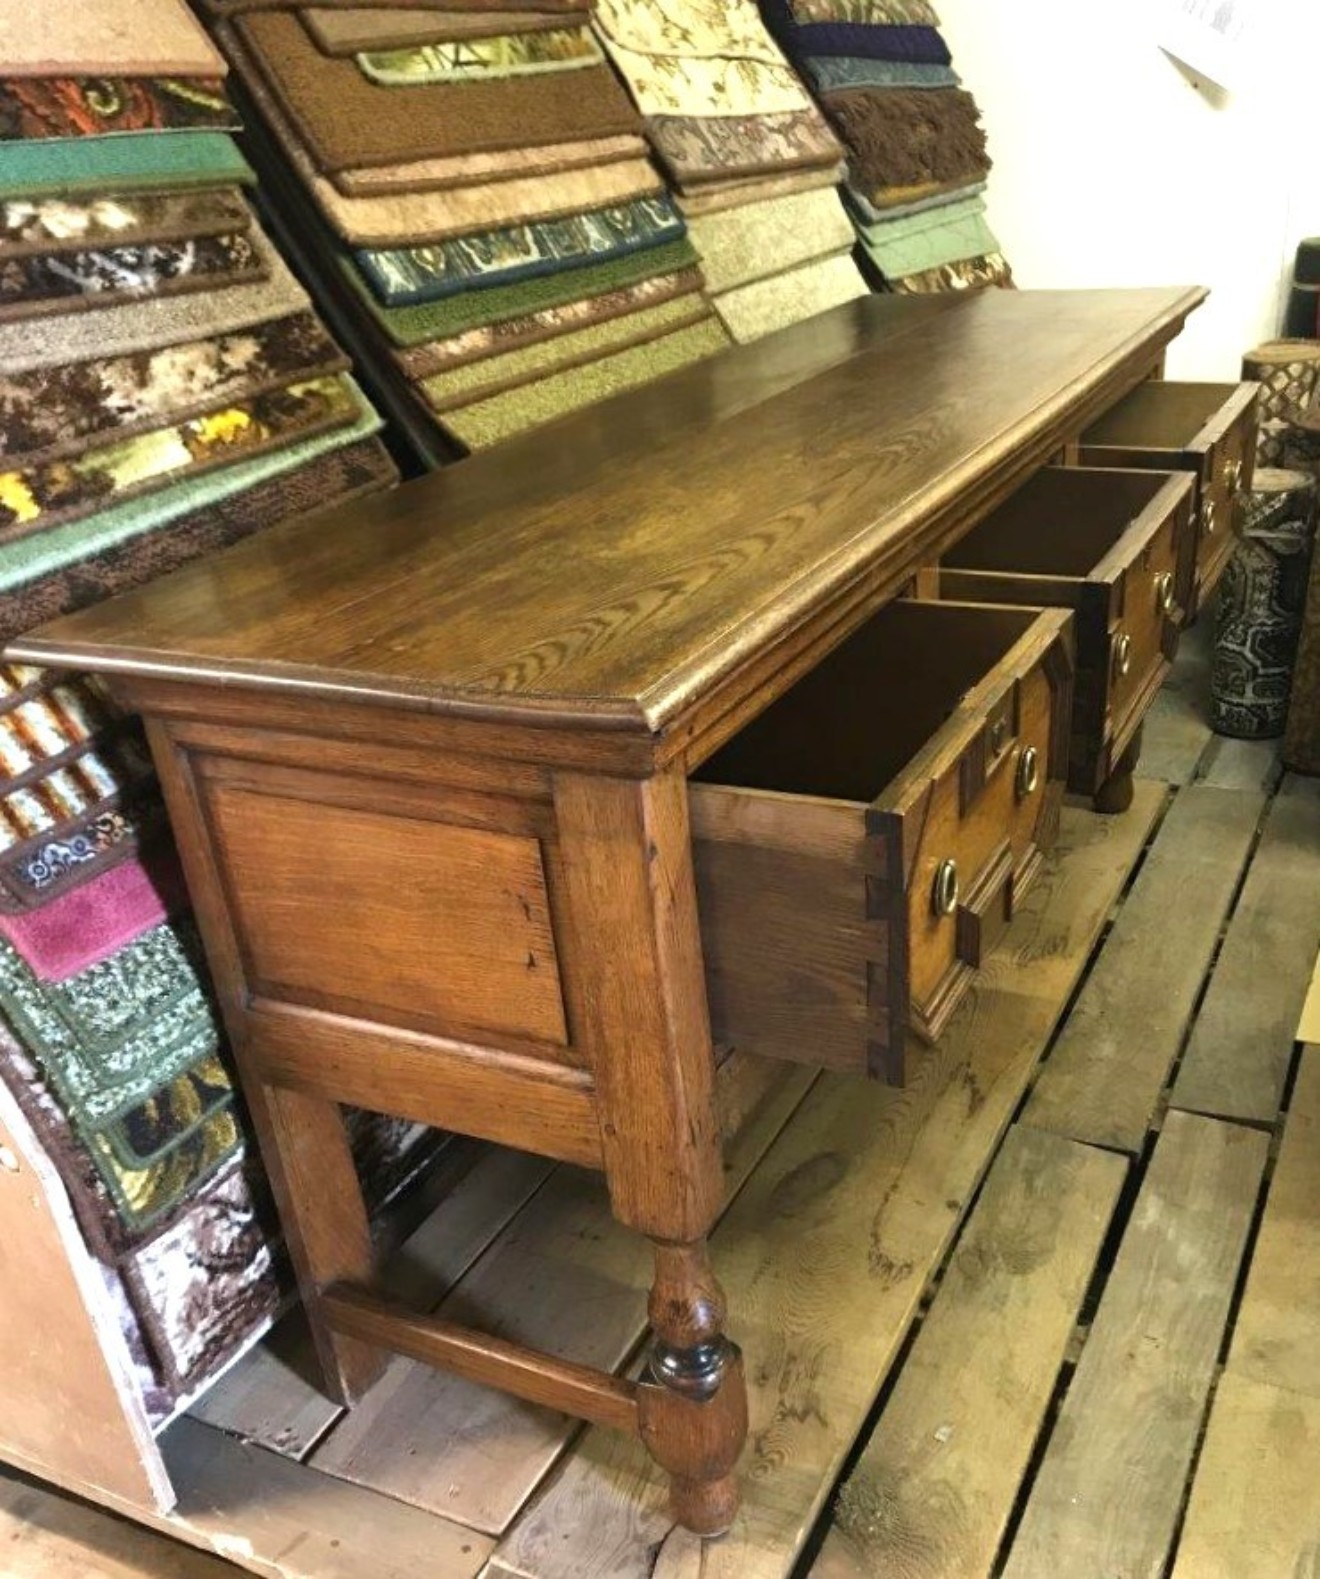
(527, 1373)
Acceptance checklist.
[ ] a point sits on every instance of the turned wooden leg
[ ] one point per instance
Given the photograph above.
(692, 1401)
(1115, 794)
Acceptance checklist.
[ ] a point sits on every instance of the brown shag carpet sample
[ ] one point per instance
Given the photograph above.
(908, 137)
(348, 121)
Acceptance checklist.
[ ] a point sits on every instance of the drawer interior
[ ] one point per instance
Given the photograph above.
(1161, 415)
(856, 721)
(1063, 522)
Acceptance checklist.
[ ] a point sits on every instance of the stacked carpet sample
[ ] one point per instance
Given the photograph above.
(473, 192)
(917, 160)
(165, 388)
(753, 166)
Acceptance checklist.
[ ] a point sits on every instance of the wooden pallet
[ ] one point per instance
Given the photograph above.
(997, 1254)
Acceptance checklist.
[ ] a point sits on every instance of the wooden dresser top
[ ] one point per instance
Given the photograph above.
(630, 568)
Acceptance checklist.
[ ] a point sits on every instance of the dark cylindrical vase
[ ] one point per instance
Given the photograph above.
(1261, 599)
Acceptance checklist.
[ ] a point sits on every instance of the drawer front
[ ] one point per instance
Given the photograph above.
(967, 829)
(1208, 429)
(832, 928)
(1141, 634)
(1116, 547)
(1230, 472)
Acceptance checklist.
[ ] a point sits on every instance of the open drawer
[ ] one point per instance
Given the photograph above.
(861, 843)
(1207, 429)
(1113, 546)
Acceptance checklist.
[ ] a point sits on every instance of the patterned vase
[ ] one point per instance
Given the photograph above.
(1261, 599)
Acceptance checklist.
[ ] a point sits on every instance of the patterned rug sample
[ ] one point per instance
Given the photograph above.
(94, 107)
(55, 409)
(63, 282)
(28, 344)
(37, 226)
(487, 422)
(479, 380)
(64, 549)
(410, 277)
(34, 497)
(293, 482)
(480, 59)
(497, 339)
(474, 309)
(350, 30)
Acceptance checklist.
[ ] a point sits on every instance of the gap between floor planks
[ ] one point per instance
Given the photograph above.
(1108, 1494)
(1252, 1507)
(1241, 1046)
(1103, 1080)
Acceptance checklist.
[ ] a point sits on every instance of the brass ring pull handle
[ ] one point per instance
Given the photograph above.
(1028, 773)
(1233, 476)
(1123, 655)
(1164, 592)
(944, 895)
(1208, 518)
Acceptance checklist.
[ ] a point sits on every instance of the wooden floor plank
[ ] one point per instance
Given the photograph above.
(273, 1395)
(1308, 1025)
(44, 1535)
(1274, 1337)
(1237, 1060)
(826, 1254)
(934, 1488)
(275, 1517)
(1109, 1490)
(1103, 1079)
(564, 1277)
(1240, 764)
(1177, 731)
(1253, 1512)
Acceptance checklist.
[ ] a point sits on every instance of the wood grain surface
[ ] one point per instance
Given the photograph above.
(460, 591)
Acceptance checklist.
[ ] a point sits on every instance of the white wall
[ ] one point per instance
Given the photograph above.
(1115, 166)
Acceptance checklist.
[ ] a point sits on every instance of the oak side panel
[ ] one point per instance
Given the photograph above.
(440, 923)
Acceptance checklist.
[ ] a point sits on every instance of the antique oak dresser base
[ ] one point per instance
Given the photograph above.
(427, 761)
